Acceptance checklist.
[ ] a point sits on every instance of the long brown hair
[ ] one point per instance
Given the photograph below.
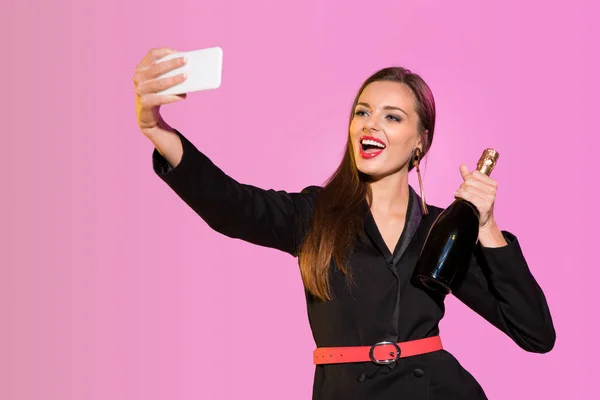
(338, 217)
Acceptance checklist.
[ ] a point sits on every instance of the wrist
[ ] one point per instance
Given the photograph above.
(490, 235)
(159, 130)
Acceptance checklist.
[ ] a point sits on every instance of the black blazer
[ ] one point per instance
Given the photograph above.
(385, 302)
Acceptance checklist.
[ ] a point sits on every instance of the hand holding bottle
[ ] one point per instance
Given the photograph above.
(480, 190)
(452, 237)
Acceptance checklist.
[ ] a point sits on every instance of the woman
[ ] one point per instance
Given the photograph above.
(357, 240)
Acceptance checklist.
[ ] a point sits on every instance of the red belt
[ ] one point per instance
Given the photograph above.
(379, 353)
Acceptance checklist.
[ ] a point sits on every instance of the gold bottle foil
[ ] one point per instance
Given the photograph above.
(487, 162)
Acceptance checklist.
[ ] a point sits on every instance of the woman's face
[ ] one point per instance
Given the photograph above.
(384, 129)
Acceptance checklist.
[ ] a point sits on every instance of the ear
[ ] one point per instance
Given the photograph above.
(421, 140)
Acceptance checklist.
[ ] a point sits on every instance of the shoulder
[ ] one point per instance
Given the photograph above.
(306, 198)
(312, 190)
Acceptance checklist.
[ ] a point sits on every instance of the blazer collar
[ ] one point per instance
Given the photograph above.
(411, 225)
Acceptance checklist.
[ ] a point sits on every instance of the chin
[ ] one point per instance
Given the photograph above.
(367, 171)
(372, 171)
(375, 170)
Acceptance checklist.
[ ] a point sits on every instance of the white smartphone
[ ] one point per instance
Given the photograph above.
(204, 69)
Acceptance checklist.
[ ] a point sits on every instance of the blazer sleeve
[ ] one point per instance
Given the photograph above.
(268, 218)
(499, 286)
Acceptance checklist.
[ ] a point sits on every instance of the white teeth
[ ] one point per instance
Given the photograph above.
(373, 143)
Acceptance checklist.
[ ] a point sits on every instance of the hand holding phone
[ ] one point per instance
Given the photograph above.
(203, 69)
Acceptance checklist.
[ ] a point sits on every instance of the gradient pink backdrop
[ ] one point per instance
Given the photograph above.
(111, 288)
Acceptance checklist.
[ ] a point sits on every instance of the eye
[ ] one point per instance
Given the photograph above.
(394, 118)
(360, 113)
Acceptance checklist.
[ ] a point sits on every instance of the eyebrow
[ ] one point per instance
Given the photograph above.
(385, 108)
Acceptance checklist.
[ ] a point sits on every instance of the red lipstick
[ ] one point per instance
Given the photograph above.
(370, 147)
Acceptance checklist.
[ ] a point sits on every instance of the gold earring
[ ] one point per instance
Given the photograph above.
(417, 154)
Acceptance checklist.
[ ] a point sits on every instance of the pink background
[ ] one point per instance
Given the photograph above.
(111, 288)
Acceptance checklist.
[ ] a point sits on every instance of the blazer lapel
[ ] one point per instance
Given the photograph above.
(408, 258)
(374, 235)
(413, 220)
(411, 226)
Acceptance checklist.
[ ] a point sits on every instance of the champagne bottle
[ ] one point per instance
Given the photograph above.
(452, 238)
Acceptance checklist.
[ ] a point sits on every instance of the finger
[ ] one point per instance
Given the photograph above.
(149, 60)
(464, 171)
(154, 100)
(156, 70)
(481, 176)
(158, 85)
(472, 198)
(485, 199)
(471, 191)
(156, 54)
(171, 98)
(480, 185)
(163, 67)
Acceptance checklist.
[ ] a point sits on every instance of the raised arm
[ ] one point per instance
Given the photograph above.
(500, 287)
(275, 219)
(268, 218)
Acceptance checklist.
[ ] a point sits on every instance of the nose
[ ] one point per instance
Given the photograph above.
(371, 124)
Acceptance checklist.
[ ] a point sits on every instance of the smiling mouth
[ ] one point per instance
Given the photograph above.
(371, 147)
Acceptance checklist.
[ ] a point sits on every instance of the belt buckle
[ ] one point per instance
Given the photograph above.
(385, 362)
